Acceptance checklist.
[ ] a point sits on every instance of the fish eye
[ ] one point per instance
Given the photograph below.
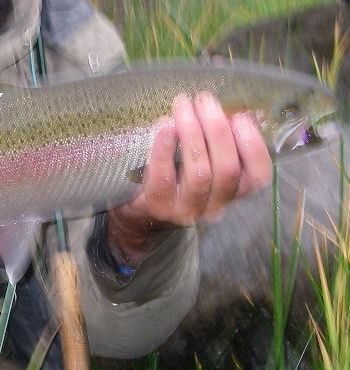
(290, 112)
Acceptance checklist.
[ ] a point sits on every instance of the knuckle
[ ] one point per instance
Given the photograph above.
(229, 174)
(224, 192)
(187, 219)
(165, 183)
(263, 177)
(198, 192)
(154, 198)
(220, 128)
(228, 177)
(214, 215)
(262, 181)
(192, 215)
(257, 182)
(160, 207)
(196, 199)
(200, 177)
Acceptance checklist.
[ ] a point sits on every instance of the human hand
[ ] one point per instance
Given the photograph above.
(222, 159)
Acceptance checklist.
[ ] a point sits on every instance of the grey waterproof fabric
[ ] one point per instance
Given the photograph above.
(135, 320)
(61, 18)
(91, 46)
(19, 32)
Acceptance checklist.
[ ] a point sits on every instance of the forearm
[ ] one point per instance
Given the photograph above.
(130, 235)
(167, 254)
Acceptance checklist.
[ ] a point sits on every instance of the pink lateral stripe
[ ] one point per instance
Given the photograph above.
(31, 164)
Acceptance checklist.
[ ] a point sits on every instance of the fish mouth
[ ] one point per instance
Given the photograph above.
(290, 135)
(301, 135)
(304, 136)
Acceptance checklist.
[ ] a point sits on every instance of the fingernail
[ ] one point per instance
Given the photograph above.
(206, 98)
(209, 105)
(181, 99)
(184, 111)
(243, 127)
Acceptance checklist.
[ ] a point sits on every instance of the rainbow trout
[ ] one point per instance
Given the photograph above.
(74, 145)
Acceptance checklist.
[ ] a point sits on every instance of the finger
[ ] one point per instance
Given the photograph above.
(195, 179)
(160, 183)
(253, 153)
(224, 159)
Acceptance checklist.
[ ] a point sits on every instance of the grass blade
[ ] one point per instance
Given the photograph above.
(153, 361)
(295, 258)
(42, 347)
(6, 311)
(277, 289)
(326, 295)
(198, 365)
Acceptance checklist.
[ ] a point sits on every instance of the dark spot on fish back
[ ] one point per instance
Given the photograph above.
(136, 175)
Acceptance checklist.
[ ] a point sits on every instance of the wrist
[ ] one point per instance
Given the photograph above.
(130, 235)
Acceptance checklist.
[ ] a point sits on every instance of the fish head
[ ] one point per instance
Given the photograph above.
(296, 119)
(292, 109)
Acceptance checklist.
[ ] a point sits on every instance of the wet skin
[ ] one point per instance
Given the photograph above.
(223, 158)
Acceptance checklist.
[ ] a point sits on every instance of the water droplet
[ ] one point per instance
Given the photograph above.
(195, 154)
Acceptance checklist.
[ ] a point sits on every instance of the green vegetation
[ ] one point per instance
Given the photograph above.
(331, 340)
(328, 73)
(184, 28)
(332, 333)
(282, 289)
(330, 346)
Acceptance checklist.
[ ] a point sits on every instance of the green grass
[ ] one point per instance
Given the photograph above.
(332, 338)
(184, 28)
(328, 73)
(283, 279)
(330, 321)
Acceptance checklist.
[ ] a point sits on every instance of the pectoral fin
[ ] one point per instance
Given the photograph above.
(137, 175)
(16, 243)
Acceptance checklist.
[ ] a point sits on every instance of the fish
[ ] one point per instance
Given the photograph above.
(78, 145)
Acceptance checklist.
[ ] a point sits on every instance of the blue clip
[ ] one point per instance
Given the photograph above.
(125, 270)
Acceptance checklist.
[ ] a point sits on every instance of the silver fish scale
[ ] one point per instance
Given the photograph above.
(100, 181)
(122, 108)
